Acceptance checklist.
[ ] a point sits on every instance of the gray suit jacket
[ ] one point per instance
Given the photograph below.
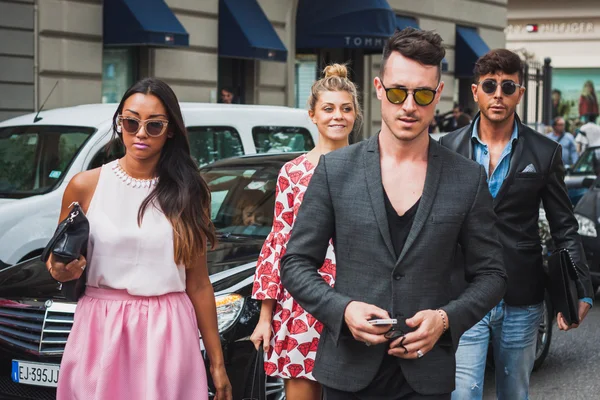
(344, 201)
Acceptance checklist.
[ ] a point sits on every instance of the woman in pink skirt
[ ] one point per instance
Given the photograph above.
(135, 334)
(290, 335)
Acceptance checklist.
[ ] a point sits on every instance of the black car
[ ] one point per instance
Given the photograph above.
(580, 176)
(587, 213)
(35, 320)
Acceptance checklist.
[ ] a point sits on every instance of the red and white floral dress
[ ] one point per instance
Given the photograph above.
(295, 333)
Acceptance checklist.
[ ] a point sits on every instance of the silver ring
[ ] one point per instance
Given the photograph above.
(367, 344)
(419, 354)
(83, 267)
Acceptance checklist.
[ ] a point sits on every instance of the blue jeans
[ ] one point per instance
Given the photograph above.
(513, 333)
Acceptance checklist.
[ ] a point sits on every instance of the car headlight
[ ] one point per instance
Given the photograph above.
(587, 227)
(229, 308)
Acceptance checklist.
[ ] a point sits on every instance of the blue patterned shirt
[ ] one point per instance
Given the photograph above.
(482, 156)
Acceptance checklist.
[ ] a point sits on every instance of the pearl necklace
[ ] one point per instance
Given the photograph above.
(131, 181)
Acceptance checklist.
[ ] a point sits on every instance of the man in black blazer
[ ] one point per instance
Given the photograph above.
(524, 168)
(396, 206)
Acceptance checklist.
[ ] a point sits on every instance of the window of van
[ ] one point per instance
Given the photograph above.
(212, 143)
(33, 159)
(276, 139)
(108, 153)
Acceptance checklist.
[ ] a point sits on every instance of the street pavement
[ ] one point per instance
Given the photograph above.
(571, 370)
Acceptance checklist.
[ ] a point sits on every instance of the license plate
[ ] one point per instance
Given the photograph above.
(32, 373)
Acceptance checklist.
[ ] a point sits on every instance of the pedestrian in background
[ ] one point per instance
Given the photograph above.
(588, 103)
(559, 107)
(453, 122)
(523, 168)
(588, 135)
(135, 334)
(396, 205)
(227, 96)
(288, 334)
(462, 121)
(566, 140)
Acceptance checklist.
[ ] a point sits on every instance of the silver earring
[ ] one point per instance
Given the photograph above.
(118, 128)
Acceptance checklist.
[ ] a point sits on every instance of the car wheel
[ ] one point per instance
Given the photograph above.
(544, 336)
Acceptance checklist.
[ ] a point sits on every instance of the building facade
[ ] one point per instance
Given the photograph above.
(266, 51)
(566, 32)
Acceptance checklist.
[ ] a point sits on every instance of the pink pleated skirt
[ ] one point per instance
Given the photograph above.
(133, 348)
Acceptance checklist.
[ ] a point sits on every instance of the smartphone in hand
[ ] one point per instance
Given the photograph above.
(383, 321)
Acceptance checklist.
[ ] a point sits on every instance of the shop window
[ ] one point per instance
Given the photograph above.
(306, 73)
(118, 73)
(570, 82)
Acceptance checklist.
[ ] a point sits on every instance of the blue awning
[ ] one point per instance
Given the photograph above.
(408, 22)
(142, 23)
(245, 32)
(469, 47)
(350, 24)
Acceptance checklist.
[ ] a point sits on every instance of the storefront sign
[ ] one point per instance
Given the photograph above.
(362, 41)
(562, 27)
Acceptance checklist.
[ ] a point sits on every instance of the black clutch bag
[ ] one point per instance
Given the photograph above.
(563, 280)
(69, 243)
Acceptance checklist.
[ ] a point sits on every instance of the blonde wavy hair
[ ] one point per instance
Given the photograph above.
(335, 79)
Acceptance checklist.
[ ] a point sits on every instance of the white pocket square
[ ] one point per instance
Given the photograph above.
(528, 169)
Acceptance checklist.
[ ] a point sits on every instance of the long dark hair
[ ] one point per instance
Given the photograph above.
(181, 193)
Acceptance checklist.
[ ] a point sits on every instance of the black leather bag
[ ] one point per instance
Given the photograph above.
(257, 386)
(563, 281)
(69, 243)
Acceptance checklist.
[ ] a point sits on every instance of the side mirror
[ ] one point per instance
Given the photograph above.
(588, 182)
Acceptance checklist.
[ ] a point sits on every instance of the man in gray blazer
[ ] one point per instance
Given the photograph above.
(396, 206)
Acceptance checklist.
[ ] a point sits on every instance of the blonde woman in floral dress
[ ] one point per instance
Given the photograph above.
(288, 334)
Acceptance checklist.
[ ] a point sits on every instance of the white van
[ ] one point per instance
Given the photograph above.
(38, 158)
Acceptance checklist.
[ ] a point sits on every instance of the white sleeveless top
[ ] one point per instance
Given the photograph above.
(123, 255)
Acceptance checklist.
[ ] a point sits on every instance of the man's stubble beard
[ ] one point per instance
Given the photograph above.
(510, 112)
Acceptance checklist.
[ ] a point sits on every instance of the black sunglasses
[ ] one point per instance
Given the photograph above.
(398, 95)
(395, 333)
(508, 87)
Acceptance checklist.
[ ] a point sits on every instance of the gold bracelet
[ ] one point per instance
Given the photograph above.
(443, 320)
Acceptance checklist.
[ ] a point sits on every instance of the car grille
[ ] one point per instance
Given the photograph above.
(39, 330)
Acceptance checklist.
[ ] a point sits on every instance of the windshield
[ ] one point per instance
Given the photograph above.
(588, 163)
(242, 199)
(33, 159)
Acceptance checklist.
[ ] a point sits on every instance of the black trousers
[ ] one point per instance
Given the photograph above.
(332, 394)
(389, 384)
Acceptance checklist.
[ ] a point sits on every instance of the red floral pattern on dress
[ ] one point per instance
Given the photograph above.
(295, 333)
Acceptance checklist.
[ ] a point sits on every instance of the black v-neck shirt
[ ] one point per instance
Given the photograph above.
(400, 225)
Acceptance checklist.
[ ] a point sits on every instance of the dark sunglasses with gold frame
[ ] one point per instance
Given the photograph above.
(132, 125)
(422, 96)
